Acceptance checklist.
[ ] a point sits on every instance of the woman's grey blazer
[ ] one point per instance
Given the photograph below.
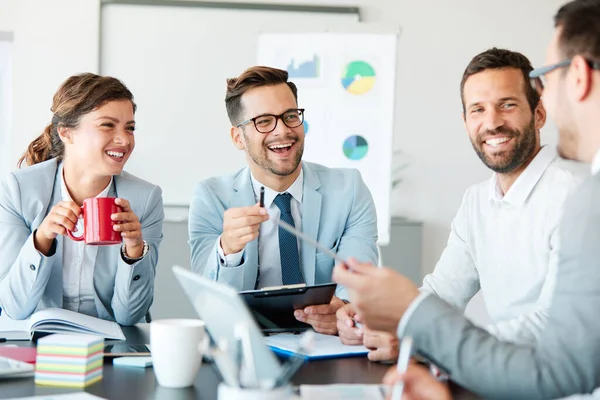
(30, 281)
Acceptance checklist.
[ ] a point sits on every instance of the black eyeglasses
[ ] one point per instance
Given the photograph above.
(267, 123)
(538, 78)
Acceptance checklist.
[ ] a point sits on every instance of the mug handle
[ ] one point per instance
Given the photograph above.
(204, 345)
(77, 238)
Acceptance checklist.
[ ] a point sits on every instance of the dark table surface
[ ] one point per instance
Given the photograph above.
(137, 383)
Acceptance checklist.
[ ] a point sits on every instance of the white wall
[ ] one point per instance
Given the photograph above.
(438, 39)
(6, 15)
(6, 26)
(52, 40)
(5, 99)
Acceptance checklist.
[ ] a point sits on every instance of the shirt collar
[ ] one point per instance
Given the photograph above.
(295, 190)
(525, 183)
(64, 192)
(596, 163)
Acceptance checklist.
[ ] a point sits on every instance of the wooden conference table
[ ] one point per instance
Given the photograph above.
(137, 383)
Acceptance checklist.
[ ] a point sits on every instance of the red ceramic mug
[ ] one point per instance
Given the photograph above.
(97, 224)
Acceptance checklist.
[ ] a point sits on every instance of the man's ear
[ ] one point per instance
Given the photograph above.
(236, 138)
(581, 77)
(65, 134)
(539, 115)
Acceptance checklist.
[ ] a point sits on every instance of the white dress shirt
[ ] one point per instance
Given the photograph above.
(507, 246)
(78, 265)
(596, 163)
(268, 237)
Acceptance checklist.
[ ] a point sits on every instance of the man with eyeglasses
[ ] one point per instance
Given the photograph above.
(566, 358)
(237, 240)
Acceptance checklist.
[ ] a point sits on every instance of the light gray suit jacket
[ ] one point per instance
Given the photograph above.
(30, 281)
(337, 210)
(566, 359)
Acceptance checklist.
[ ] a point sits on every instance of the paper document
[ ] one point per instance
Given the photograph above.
(70, 396)
(13, 325)
(324, 346)
(343, 392)
(57, 320)
(11, 329)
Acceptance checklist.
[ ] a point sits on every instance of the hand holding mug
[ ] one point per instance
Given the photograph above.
(128, 224)
(98, 227)
(61, 219)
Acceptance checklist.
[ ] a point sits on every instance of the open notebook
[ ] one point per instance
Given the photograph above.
(58, 320)
(325, 346)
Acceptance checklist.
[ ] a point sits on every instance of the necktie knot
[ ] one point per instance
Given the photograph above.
(283, 201)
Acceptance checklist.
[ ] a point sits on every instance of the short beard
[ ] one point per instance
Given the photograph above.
(261, 160)
(522, 152)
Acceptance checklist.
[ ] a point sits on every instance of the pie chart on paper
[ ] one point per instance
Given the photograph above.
(358, 77)
(355, 147)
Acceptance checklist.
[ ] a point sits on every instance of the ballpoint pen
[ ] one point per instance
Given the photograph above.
(357, 324)
(262, 197)
(403, 359)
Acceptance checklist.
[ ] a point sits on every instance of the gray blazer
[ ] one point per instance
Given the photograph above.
(338, 211)
(566, 359)
(30, 281)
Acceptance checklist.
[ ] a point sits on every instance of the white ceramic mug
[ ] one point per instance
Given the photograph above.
(177, 346)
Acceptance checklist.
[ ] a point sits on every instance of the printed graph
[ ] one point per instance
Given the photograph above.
(306, 69)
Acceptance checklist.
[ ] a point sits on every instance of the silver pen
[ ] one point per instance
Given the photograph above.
(310, 241)
(403, 360)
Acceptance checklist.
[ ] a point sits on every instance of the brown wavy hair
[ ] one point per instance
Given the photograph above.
(77, 96)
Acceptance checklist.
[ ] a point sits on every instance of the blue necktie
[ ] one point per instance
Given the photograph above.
(288, 245)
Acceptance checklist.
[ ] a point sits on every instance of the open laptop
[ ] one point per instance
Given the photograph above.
(222, 309)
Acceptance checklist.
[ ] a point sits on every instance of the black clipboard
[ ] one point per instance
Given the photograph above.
(273, 308)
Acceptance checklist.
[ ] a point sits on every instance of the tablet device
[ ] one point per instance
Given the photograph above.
(124, 349)
(273, 309)
(225, 314)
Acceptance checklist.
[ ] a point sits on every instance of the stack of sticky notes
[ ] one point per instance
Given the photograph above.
(69, 360)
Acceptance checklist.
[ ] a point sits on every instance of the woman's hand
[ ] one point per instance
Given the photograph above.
(62, 217)
(131, 229)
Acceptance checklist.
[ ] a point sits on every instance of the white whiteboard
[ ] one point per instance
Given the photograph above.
(175, 60)
(5, 101)
(348, 92)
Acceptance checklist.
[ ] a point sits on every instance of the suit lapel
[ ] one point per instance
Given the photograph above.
(311, 214)
(243, 196)
(56, 279)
